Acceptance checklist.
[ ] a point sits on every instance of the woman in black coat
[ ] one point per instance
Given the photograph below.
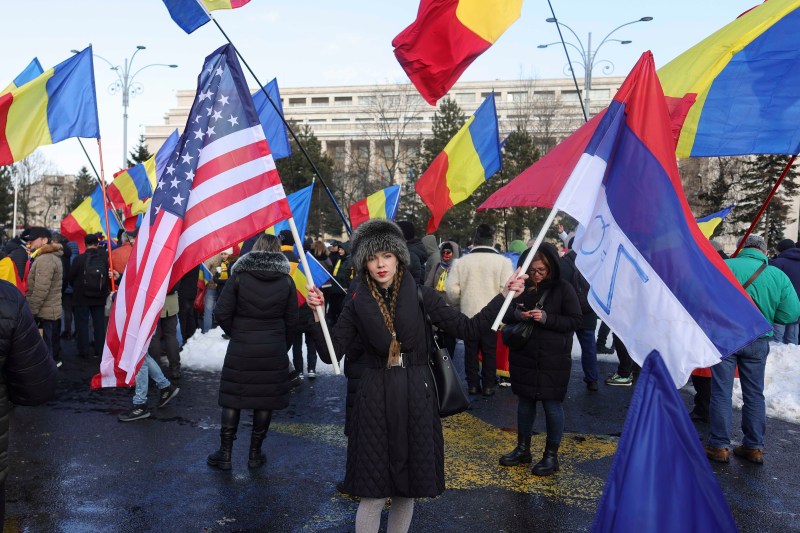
(540, 371)
(257, 308)
(395, 446)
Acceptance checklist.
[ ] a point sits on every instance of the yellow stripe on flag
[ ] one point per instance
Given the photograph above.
(376, 205)
(300, 282)
(464, 168)
(28, 115)
(488, 18)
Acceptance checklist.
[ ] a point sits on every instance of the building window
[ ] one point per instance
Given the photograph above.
(367, 100)
(317, 120)
(364, 120)
(600, 94)
(497, 95)
(570, 96)
(320, 101)
(414, 99)
(518, 96)
(342, 100)
(295, 102)
(340, 120)
(465, 98)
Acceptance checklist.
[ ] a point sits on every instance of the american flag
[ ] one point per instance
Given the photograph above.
(219, 187)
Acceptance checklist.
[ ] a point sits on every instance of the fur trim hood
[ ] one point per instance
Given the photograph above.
(378, 235)
(50, 248)
(258, 261)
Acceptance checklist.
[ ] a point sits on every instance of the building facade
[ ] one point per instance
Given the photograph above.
(47, 201)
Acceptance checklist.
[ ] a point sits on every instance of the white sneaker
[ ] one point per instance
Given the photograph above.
(312, 374)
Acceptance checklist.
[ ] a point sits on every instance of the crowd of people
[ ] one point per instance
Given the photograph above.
(384, 282)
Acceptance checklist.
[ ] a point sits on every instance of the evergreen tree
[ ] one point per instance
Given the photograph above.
(84, 186)
(757, 180)
(140, 153)
(296, 173)
(6, 198)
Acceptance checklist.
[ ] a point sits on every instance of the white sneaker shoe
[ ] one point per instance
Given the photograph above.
(312, 374)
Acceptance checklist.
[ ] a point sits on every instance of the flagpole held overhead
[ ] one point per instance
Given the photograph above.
(524, 268)
(99, 181)
(320, 310)
(105, 208)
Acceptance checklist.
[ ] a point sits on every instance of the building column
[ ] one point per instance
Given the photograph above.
(348, 153)
(370, 156)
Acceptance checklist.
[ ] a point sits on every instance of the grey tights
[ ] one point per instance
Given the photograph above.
(368, 516)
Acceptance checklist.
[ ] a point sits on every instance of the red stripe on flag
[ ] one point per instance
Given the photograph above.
(230, 160)
(359, 213)
(432, 188)
(6, 157)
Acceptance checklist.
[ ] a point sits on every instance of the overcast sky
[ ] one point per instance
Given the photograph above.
(313, 43)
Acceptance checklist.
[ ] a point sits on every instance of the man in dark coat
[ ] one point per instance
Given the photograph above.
(788, 260)
(571, 274)
(28, 373)
(17, 250)
(419, 255)
(89, 302)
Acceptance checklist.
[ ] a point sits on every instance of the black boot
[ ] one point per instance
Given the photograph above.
(519, 455)
(227, 434)
(549, 462)
(261, 420)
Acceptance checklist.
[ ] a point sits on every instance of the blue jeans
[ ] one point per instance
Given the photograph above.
(149, 369)
(787, 334)
(553, 416)
(208, 308)
(752, 361)
(588, 354)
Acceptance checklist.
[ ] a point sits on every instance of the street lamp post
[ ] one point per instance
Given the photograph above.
(588, 56)
(126, 85)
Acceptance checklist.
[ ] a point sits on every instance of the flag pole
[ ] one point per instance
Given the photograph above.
(101, 182)
(569, 61)
(527, 263)
(320, 310)
(764, 206)
(286, 124)
(105, 208)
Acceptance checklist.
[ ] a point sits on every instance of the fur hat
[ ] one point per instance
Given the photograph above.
(756, 241)
(378, 235)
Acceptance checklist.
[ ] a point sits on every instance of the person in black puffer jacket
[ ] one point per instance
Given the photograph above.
(540, 370)
(395, 446)
(258, 309)
(28, 373)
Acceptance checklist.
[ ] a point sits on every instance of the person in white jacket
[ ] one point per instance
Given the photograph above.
(473, 281)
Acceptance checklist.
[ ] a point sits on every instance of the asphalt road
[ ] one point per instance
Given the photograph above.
(75, 468)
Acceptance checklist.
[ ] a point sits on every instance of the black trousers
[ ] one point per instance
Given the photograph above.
(487, 373)
(165, 341)
(186, 317)
(626, 364)
(702, 397)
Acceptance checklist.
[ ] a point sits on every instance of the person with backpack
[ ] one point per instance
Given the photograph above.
(89, 278)
(45, 280)
(585, 334)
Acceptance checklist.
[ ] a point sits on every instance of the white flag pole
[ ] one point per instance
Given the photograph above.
(524, 268)
(320, 310)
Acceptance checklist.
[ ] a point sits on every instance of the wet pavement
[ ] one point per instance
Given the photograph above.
(75, 468)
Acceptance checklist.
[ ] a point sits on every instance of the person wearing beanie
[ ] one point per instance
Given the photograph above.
(773, 293)
(395, 446)
(45, 282)
(540, 368)
(437, 280)
(472, 282)
(788, 261)
(419, 256)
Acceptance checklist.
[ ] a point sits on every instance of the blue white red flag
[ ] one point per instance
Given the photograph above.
(681, 494)
(219, 187)
(656, 280)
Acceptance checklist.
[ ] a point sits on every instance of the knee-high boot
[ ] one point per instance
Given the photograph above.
(261, 420)
(549, 462)
(227, 434)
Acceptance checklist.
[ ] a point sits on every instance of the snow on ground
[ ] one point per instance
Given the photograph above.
(782, 382)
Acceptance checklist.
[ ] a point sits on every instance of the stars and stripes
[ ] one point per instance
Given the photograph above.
(219, 187)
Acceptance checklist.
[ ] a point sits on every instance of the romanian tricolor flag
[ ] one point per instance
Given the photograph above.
(382, 204)
(747, 84)
(319, 276)
(299, 205)
(191, 14)
(30, 73)
(132, 188)
(89, 218)
(471, 157)
(56, 105)
(447, 37)
(710, 222)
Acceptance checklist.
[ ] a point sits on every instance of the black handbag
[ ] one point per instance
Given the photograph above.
(516, 335)
(450, 392)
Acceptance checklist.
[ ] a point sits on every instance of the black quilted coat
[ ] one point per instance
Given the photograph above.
(28, 374)
(395, 445)
(541, 369)
(258, 309)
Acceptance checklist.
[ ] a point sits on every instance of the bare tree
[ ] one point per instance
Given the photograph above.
(26, 173)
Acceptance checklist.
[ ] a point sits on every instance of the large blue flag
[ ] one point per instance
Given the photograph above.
(656, 280)
(274, 128)
(660, 480)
